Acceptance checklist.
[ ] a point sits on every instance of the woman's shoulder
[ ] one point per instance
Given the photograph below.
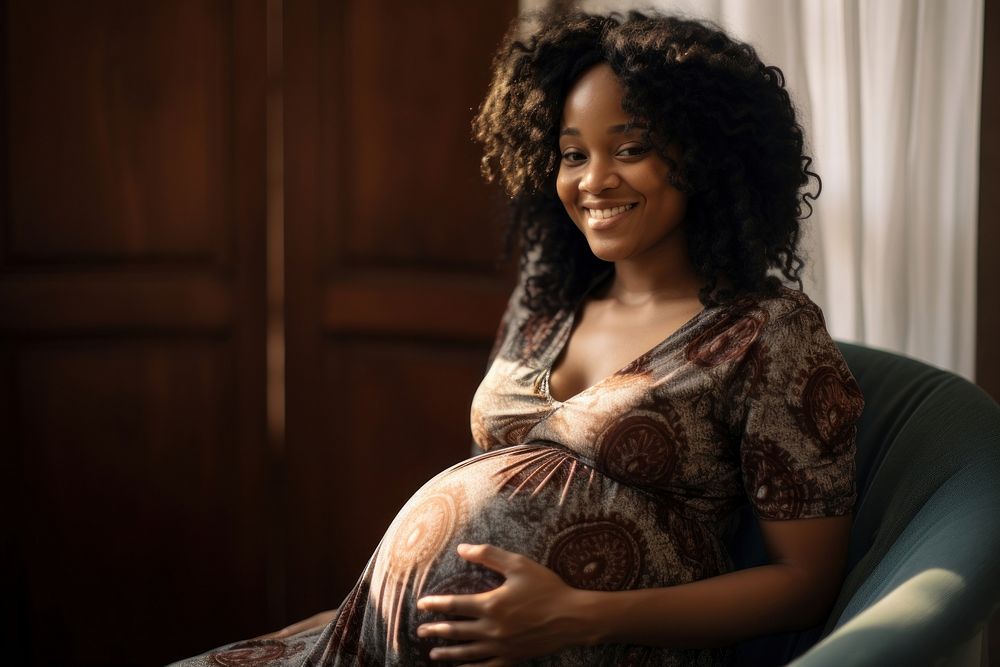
(781, 307)
(785, 318)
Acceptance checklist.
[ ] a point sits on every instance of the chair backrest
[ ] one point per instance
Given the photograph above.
(924, 431)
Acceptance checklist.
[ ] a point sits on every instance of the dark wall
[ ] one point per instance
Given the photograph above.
(131, 311)
(988, 282)
(154, 510)
(392, 291)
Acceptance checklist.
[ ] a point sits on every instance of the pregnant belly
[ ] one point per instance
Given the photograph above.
(540, 501)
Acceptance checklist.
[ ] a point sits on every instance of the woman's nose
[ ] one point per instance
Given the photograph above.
(599, 175)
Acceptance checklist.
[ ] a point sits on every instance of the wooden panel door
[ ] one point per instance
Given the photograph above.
(393, 295)
(131, 328)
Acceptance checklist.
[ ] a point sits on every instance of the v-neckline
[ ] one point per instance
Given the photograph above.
(561, 341)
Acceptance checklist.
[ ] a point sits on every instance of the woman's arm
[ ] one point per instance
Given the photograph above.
(794, 592)
(533, 613)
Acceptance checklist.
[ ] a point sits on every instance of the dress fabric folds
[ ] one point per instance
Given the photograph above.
(632, 483)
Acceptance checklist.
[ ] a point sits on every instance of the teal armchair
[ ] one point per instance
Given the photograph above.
(924, 560)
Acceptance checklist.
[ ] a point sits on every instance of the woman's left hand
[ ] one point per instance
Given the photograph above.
(533, 613)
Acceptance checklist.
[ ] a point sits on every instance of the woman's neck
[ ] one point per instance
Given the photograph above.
(666, 276)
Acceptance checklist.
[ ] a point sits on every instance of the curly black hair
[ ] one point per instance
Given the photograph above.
(741, 148)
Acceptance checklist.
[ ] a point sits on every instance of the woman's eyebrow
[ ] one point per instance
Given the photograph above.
(614, 129)
(627, 127)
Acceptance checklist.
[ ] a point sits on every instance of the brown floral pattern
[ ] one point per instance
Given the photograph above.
(829, 404)
(482, 435)
(255, 653)
(771, 479)
(349, 624)
(535, 335)
(754, 377)
(601, 553)
(697, 548)
(643, 448)
(425, 529)
(627, 485)
(549, 469)
(418, 536)
(728, 339)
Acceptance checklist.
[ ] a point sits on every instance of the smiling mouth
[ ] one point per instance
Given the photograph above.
(601, 213)
(602, 218)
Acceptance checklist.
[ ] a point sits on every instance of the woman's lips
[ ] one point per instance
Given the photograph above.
(600, 224)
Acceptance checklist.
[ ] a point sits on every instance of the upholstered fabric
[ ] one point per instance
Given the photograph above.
(924, 566)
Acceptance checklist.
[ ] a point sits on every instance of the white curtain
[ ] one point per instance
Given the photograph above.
(889, 92)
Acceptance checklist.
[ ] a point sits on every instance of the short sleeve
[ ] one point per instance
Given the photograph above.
(802, 404)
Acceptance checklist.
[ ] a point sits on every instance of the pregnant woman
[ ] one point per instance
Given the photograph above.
(653, 372)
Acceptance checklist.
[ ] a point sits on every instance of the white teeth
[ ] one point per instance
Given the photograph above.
(601, 213)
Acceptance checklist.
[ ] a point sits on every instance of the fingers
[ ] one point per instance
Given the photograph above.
(473, 605)
(490, 556)
(471, 651)
(453, 630)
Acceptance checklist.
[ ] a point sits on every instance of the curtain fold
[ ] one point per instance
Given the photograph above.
(889, 93)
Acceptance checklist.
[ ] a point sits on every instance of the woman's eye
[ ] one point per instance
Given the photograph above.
(573, 156)
(632, 151)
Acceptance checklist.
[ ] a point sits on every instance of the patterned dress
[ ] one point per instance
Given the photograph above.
(632, 483)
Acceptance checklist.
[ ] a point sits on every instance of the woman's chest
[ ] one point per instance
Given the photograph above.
(604, 340)
(656, 424)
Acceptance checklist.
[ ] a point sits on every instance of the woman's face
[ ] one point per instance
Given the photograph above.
(615, 187)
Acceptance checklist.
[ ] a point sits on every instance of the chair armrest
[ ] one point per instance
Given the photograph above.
(931, 596)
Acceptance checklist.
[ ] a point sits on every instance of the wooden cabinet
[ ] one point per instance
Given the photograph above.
(151, 512)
